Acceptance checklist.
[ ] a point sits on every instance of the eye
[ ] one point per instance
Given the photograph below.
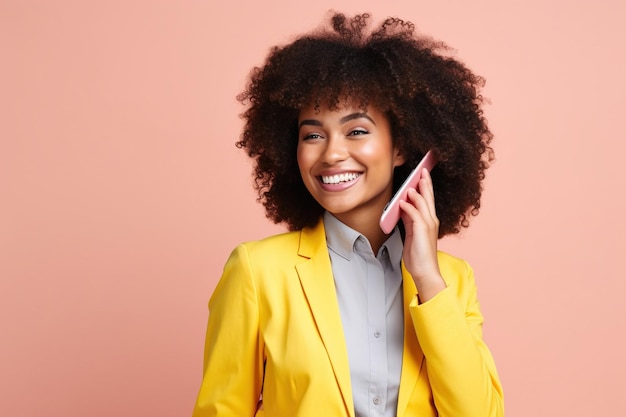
(311, 136)
(358, 132)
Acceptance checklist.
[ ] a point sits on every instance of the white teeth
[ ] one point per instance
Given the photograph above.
(336, 179)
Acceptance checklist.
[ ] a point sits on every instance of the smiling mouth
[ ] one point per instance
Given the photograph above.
(339, 178)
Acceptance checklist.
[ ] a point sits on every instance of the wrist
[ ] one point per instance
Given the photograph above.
(428, 288)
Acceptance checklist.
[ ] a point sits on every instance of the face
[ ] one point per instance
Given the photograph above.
(346, 160)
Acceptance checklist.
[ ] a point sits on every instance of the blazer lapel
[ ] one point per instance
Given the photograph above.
(412, 355)
(316, 278)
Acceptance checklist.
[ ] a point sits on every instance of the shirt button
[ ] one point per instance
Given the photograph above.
(376, 334)
(376, 400)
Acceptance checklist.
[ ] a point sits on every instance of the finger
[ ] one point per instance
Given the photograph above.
(417, 211)
(425, 209)
(426, 189)
(417, 202)
(408, 208)
(410, 214)
(421, 203)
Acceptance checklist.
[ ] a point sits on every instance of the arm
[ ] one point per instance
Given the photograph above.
(233, 355)
(447, 318)
(460, 368)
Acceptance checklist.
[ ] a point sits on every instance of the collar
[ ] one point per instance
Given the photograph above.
(343, 240)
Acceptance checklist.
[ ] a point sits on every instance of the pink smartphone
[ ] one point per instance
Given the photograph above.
(391, 213)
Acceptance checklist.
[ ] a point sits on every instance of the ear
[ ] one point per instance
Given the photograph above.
(398, 158)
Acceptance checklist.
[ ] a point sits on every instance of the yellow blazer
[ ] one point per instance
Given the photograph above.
(275, 330)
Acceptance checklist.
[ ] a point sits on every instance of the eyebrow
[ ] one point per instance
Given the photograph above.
(344, 119)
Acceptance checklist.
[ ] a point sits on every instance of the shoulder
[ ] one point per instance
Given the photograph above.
(456, 272)
(452, 264)
(253, 262)
(304, 243)
(268, 253)
(269, 246)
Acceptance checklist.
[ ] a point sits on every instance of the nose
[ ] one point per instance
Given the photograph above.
(336, 150)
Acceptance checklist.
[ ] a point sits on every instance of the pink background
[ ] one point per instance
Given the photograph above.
(122, 193)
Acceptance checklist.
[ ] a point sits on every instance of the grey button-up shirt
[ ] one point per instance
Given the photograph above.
(369, 292)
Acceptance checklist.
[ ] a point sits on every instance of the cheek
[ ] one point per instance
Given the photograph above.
(371, 149)
(299, 157)
(374, 151)
(303, 161)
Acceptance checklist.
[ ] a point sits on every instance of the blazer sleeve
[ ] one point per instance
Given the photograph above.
(233, 355)
(460, 368)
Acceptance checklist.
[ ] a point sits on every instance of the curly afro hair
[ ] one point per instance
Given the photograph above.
(431, 99)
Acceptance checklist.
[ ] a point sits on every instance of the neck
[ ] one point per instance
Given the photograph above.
(367, 225)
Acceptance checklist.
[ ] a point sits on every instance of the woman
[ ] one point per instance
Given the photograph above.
(335, 317)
